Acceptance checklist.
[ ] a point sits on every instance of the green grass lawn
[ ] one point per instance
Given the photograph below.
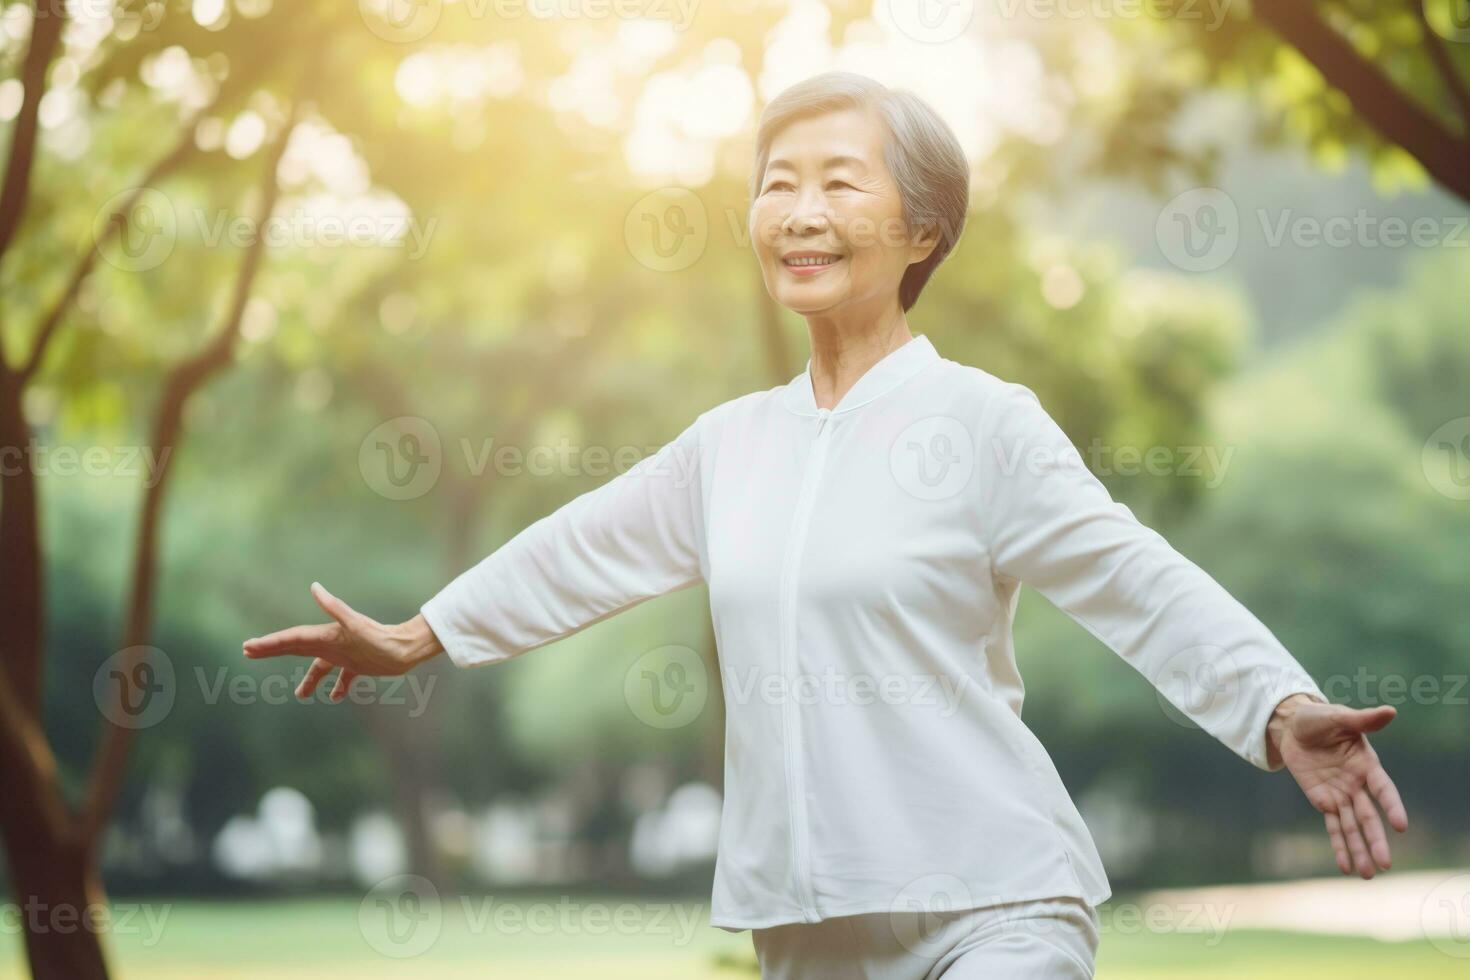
(614, 938)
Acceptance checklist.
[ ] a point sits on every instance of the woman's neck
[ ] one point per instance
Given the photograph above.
(843, 353)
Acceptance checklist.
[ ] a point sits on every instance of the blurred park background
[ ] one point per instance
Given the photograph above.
(353, 292)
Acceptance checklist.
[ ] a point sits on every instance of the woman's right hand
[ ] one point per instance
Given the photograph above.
(359, 644)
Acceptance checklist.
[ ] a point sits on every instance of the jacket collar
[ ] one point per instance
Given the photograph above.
(895, 367)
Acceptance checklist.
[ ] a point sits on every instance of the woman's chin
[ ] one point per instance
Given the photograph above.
(806, 301)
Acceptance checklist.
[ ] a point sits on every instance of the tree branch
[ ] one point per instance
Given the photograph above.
(185, 378)
(116, 221)
(27, 762)
(1395, 116)
(1434, 44)
(47, 21)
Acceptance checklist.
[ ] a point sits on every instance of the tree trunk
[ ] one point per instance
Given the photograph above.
(51, 852)
(56, 889)
(20, 572)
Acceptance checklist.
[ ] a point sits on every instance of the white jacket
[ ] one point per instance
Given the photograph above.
(864, 564)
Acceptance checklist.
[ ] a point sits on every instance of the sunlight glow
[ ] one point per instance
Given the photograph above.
(211, 14)
(259, 319)
(797, 48)
(640, 42)
(176, 77)
(320, 152)
(986, 87)
(680, 120)
(460, 73)
(1061, 287)
(15, 24)
(12, 92)
(588, 88)
(245, 134)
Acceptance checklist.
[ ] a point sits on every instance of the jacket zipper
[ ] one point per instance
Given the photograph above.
(795, 782)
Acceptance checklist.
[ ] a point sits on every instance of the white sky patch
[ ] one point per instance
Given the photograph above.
(681, 118)
(641, 41)
(174, 76)
(460, 73)
(797, 48)
(316, 151)
(588, 88)
(985, 87)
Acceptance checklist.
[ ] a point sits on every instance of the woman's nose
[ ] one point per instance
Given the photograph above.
(807, 217)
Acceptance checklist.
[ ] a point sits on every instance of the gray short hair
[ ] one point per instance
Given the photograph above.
(921, 152)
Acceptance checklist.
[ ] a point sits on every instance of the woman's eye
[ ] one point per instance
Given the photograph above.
(778, 184)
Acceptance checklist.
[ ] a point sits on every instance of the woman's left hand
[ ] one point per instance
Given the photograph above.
(357, 643)
(1325, 747)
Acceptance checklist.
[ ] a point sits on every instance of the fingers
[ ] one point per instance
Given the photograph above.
(1350, 830)
(319, 668)
(1367, 720)
(1387, 796)
(305, 641)
(1372, 828)
(1339, 843)
(344, 681)
(331, 605)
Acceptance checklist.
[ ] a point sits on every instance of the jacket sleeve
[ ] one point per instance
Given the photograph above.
(1050, 523)
(637, 536)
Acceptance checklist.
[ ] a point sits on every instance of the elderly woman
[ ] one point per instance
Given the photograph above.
(864, 531)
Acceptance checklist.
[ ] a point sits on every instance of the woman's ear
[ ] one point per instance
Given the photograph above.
(923, 243)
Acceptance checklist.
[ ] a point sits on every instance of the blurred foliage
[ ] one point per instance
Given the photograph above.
(528, 319)
(1178, 49)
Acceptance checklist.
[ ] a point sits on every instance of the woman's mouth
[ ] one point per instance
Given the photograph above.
(810, 264)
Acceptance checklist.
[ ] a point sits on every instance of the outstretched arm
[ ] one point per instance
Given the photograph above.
(1049, 522)
(637, 536)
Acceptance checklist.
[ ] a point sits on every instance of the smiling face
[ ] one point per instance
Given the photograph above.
(828, 221)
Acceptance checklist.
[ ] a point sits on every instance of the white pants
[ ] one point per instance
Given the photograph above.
(1048, 939)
